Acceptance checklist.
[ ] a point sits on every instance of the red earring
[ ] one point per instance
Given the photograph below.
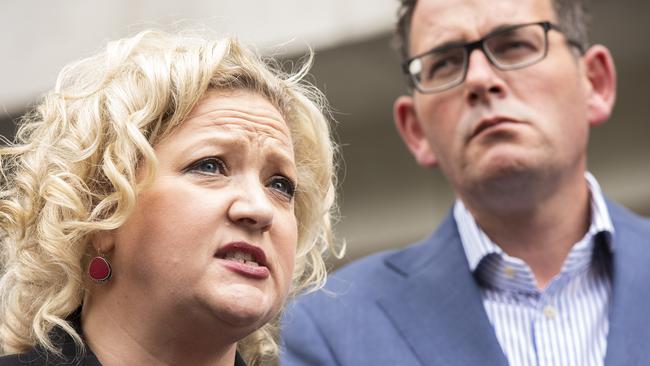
(99, 269)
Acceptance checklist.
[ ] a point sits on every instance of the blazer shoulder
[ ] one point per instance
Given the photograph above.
(623, 218)
(382, 273)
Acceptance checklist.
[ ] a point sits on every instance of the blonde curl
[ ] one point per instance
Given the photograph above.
(71, 171)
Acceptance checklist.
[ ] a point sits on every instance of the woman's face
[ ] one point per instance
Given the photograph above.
(214, 237)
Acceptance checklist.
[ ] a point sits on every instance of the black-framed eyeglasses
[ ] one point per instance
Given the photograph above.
(510, 48)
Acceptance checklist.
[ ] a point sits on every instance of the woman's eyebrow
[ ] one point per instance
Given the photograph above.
(282, 157)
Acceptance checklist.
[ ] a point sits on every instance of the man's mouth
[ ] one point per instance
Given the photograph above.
(491, 122)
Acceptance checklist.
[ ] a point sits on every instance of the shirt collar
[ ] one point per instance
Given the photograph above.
(477, 245)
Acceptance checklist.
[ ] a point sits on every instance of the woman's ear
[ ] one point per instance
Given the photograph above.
(409, 128)
(103, 241)
(601, 78)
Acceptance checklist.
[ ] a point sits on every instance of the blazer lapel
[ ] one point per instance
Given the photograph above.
(439, 310)
(629, 321)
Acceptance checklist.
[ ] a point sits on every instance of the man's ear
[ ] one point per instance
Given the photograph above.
(409, 128)
(601, 76)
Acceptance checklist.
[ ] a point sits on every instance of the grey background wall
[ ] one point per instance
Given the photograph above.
(386, 200)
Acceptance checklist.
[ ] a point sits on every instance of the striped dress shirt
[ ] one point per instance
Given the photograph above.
(564, 324)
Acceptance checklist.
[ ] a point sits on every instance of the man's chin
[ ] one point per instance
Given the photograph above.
(506, 174)
(506, 161)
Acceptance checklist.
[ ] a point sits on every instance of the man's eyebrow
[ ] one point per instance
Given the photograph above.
(455, 43)
(502, 27)
(459, 42)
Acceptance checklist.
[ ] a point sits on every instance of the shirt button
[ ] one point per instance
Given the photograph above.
(549, 312)
(509, 271)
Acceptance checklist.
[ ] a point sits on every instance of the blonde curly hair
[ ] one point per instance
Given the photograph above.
(72, 170)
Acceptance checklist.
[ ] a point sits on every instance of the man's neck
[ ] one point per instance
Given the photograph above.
(543, 231)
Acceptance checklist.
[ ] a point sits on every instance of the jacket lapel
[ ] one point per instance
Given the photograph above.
(439, 310)
(629, 321)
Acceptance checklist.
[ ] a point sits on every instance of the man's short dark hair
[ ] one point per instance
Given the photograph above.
(572, 18)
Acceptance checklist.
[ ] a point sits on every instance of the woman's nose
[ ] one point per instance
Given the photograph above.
(251, 206)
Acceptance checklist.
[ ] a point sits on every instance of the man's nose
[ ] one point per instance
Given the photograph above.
(482, 81)
(251, 207)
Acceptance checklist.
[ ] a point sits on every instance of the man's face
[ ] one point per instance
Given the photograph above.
(497, 125)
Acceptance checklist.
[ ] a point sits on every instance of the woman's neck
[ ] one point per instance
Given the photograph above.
(121, 334)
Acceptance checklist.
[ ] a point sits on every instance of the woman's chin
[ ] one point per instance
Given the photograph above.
(243, 306)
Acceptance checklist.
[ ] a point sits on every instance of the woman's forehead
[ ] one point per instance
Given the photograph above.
(232, 119)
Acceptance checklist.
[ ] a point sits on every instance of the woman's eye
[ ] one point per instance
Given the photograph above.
(283, 185)
(209, 166)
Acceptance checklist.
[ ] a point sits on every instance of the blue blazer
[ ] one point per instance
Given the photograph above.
(422, 306)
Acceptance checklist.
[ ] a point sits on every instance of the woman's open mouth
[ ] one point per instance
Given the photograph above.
(245, 259)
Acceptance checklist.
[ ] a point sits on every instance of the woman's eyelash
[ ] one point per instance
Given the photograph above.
(283, 185)
(211, 165)
(216, 166)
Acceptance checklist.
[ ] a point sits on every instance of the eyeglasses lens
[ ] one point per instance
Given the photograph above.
(517, 47)
(510, 49)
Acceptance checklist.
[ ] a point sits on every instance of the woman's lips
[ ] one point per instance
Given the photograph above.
(245, 259)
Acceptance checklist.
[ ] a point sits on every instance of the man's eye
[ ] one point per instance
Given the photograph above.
(514, 47)
(445, 65)
(209, 166)
(283, 185)
(440, 67)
